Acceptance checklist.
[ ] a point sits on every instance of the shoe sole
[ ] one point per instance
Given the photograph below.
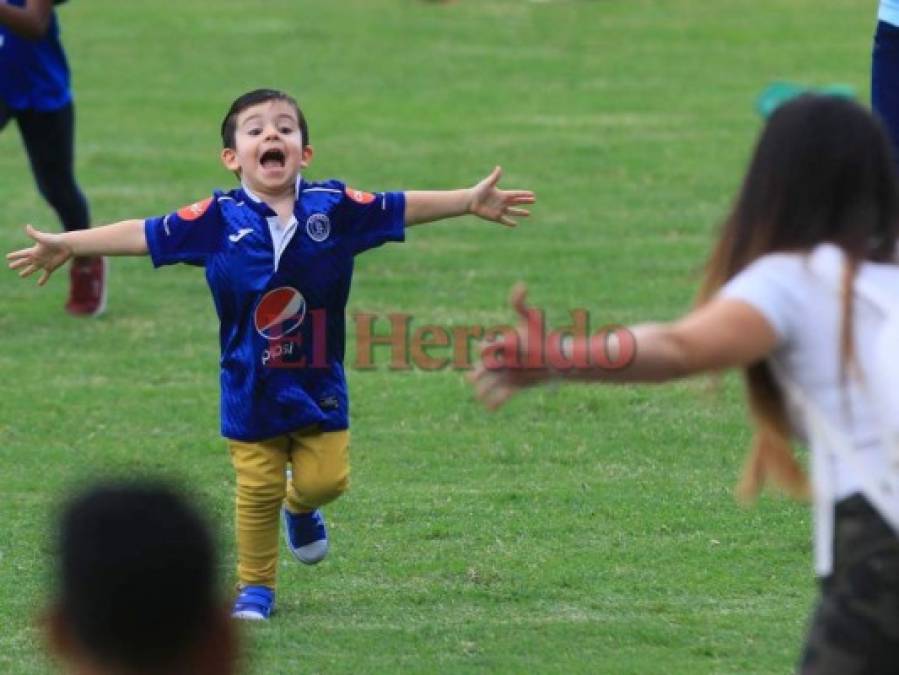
(249, 616)
(102, 307)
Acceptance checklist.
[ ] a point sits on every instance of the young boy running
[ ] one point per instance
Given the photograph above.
(278, 253)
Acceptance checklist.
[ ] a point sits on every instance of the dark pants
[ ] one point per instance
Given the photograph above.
(49, 139)
(885, 80)
(855, 628)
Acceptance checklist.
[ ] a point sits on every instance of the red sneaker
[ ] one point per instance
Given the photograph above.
(87, 293)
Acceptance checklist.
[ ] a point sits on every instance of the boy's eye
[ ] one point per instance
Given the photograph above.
(286, 130)
(254, 131)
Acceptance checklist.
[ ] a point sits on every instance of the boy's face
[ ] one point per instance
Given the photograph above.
(269, 148)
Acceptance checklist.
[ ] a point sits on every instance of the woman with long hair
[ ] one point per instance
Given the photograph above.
(816, 218)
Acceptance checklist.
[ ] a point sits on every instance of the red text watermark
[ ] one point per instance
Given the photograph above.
(431, 347)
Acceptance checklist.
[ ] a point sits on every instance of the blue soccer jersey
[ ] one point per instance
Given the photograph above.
(281, 304)
(34, 74)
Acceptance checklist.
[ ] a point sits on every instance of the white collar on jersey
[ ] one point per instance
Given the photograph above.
(256, 198)
(281, 234)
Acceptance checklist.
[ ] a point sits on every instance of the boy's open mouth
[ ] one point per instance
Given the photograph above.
(272, 159)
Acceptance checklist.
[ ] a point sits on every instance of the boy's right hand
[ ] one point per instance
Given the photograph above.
(48, 253)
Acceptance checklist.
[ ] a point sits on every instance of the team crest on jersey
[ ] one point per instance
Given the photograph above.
(195, 210)
(359, 196)
(279, 312)
(318, 227)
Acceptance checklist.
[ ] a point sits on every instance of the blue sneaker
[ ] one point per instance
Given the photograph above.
(254, 603)
(306, 535)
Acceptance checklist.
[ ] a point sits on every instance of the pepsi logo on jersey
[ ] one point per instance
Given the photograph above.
(279, 312)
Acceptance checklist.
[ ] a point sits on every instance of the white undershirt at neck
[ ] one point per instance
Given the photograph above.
(281, 233)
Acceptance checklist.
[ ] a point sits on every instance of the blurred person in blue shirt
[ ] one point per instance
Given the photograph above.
(885, 69)
(35, 91)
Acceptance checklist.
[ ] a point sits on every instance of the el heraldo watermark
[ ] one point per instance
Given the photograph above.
(395, 341)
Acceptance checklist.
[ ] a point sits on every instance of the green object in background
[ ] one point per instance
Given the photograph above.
(778, 93)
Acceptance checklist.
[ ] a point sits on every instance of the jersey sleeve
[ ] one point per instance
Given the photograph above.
(772, 286)
(189, 235)
(370, 219)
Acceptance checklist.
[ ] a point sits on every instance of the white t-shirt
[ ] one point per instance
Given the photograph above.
(805, 312)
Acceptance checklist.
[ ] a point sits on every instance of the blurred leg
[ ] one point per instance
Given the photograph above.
(855, 628)
(49, 139)
(5, 115)
(885, 80)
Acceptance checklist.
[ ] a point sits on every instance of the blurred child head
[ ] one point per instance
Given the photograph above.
(137, 590)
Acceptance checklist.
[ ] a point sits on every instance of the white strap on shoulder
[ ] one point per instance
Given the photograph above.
(827, 263)
(882, 387)
(877, 489)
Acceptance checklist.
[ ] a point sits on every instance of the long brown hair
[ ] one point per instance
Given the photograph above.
(822, 171)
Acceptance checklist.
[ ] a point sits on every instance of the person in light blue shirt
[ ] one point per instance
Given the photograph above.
(885, 69)
(35, 91)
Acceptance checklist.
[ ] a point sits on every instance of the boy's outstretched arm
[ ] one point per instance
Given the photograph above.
(51, 250)
(484, 200)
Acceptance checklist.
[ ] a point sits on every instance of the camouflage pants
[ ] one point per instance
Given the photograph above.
(855, 628)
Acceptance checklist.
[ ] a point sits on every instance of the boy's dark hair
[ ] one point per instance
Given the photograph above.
(255, 97)
(137, 574)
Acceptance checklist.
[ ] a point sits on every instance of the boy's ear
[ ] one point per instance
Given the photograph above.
(306, 157)
(229, 160)
(58, 634)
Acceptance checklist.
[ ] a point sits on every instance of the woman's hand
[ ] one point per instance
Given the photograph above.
(515, 362)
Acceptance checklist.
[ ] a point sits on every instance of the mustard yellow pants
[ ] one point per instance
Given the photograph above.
(320, 469)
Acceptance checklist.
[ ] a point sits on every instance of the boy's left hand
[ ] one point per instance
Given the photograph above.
(491, 203)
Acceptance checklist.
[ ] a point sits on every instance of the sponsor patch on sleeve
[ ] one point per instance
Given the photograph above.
(195, 210)
(359, 196)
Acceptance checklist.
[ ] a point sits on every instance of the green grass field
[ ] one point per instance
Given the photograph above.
(579, 530)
